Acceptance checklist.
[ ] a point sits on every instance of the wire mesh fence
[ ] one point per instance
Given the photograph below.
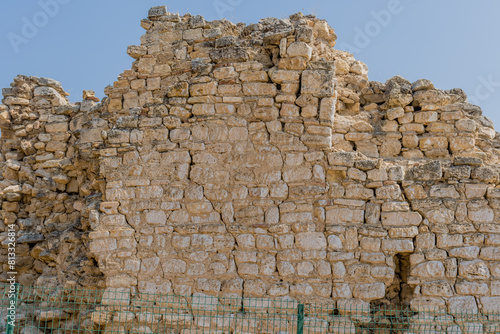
(74, 310)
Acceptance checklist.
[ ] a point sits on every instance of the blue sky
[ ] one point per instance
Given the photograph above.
(453, 43)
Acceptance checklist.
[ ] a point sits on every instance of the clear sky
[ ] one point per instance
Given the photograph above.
(82, 43)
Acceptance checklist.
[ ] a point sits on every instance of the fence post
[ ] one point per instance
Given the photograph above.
(300, 320)
(10, 321)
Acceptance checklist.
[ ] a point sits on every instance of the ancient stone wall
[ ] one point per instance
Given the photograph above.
(258, 161)
(47, 188)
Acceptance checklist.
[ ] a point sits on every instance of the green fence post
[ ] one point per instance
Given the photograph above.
(300, 320)
(10, 323)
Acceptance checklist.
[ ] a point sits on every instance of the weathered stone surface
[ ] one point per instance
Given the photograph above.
(431, 269)
(397, 246)
(369, 292)
(459, 304)
(401, 218)
(310, 241)
(476, 269)
(319, 83)
(251, 160)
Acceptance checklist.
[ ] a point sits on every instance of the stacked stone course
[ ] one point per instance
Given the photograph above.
(256, 161)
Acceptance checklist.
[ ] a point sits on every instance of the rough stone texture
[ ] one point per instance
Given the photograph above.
(257, 160)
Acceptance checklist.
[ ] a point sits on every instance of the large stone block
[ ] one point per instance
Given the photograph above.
(319, 83)
(259, 89)
(430, 269)
(398, 245)
(460, 305)
(476, 269)
(156, 217)
(310, 241)
(103, 246)
(369, 292)
(401, 218)
(345, 216)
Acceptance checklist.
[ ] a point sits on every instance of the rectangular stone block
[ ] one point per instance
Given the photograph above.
(203, 109)
(101, 246)
(203, 89)
(319, 83)
(403, 232)
(398, 245)
(56, 127)
(345, 216)
(401, 218)
(259, 89)
(310, 241)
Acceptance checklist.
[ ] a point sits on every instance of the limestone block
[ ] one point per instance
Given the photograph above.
(305, 268)
(370, 244)
(283, 76)
(391, 147)
(101, 317)
(254, 76)
(156, 217)
(259, 89)
(437, 289)
(475, 190)
(384, 273)
(426, 117)
(431, 269)
(266, 114)
(395, 113)
(299, 49)
(56, 127)
(489, 305)
(485, 174)
(201, 241)
(444, 191)
(296, 174)
(285, 268)
(445, 216)
(116, 296)
(344, 216)
(319, 83)
(157, 11)
(338, 270)
(472, 288)
(310, 241)
(476, 269)
(201, 89)
(466, 253)
(490, 253)
(428, 171)
(397, 245)
(222, 73)
(403, 232)
(301, 289)
(246, 241)
(368, 292)
(459, 304)
(101, 246)
(401, 218)
(193, 34)
(316, 141)
(388, 192)
(335, 243)
(447, 240)
(424, 304)
(481, 215)
(373, 258)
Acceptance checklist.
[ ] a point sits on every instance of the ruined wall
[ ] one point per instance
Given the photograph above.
(46, 187)
(259, 161)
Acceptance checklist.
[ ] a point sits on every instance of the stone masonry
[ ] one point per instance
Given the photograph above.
(253, 160)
